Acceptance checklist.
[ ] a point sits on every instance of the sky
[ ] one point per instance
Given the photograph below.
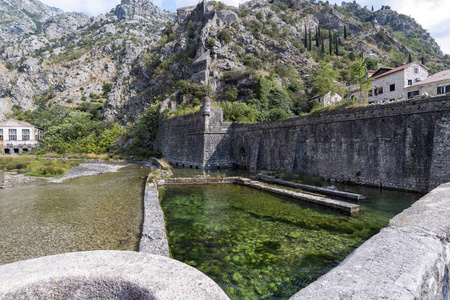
(431, 14)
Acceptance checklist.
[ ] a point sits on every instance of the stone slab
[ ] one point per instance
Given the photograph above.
(105, 275)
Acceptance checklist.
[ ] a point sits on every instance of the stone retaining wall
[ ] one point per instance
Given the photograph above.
(410, 259)
(388, 145)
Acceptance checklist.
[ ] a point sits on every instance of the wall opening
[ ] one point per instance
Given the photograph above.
(7, 151)
(16, 150)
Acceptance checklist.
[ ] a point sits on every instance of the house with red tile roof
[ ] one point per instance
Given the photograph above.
(389, 84)
(435, 85)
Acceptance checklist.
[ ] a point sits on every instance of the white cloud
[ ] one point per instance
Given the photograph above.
(89, 7)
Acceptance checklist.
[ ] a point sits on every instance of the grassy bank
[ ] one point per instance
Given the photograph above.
(36, 166)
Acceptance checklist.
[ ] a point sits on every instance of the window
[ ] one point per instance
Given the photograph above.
(392, 87)
(441, 90)
(1, 134)
(416, 70)
(409, 81)
(25, 134)
(12, 134)
(412, 94)
(380, 90)
(447, 89)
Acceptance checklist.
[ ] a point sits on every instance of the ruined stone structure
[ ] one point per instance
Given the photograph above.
(400, 145)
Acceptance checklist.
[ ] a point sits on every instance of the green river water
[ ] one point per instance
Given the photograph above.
(261, 246)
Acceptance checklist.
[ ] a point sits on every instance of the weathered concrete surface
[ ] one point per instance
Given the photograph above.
(310, 188)
(105, 275)
(154, 237)
(341, 206)
(409, 259)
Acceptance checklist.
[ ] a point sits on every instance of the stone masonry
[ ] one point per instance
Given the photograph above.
(388, 145)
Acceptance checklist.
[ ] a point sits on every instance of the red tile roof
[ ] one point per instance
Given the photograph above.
(444, 75)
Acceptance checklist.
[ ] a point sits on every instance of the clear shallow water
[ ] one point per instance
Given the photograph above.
(260, 246)
(101, 212)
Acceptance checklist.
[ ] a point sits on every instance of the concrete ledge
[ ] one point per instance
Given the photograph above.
(341, 206)
(105, 275)
(311, 188)
(154, 237)
(410, 259)
(198, 180)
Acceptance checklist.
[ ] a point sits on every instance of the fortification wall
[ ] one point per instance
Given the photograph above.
(388, 145)
(181, 140)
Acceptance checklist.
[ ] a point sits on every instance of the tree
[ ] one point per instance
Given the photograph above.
(306, 38)
(323, 47)
(337, 46)
(409, 58)
(372, 7)
(330, 41)
(309, 40)
(359, 77)
(323, 80)
(345, 32)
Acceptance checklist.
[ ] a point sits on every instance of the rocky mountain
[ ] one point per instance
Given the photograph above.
(260, 54)
(48, 56)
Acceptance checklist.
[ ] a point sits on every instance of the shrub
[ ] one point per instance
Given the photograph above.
(224, 36)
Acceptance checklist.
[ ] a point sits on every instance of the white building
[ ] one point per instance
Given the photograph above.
(327, 99)
(17, 136)
(435, 85)
(389, 84)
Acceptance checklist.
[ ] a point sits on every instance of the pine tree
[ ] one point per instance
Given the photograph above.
(345, 32)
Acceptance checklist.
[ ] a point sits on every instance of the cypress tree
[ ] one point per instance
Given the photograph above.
(323, 47)
(423, 60)
(310, 40)
(409, 58)
(372, 7)
(317, 38)
(306, 37)
(330, 41)
(345, 32)
(337, 46)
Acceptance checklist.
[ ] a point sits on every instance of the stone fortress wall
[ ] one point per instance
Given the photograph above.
(393, 145)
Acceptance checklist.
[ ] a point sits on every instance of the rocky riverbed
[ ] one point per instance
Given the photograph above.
(88, 169)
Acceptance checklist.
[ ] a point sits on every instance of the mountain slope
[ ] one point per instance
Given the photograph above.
(262, 55)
